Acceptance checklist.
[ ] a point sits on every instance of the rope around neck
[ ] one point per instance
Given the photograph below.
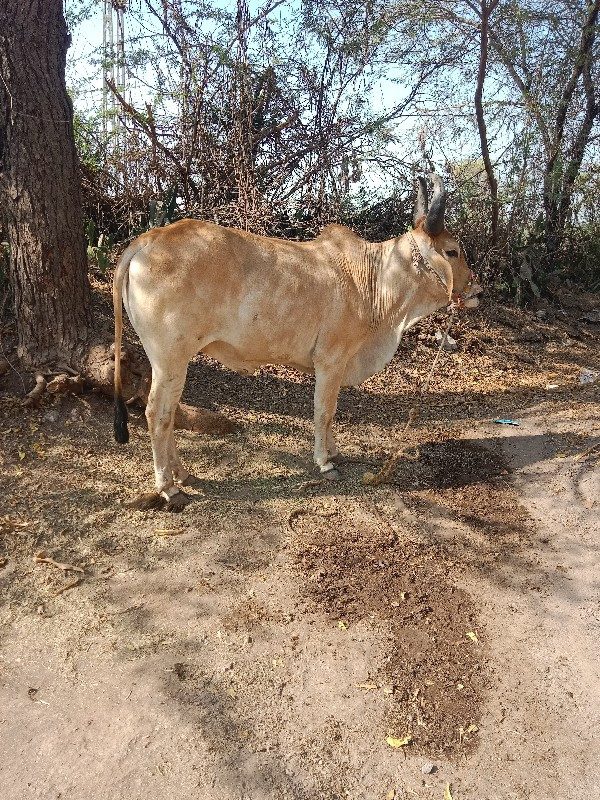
(387, 470)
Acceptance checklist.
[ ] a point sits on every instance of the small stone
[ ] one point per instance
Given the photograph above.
(450, 345)
(51, 416)
(428, 768)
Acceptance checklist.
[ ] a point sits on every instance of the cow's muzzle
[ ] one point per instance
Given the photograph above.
(468, 297)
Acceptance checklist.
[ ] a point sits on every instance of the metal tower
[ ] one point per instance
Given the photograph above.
(113, 66)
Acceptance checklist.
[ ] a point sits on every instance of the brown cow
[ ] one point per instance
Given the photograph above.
(334, 307)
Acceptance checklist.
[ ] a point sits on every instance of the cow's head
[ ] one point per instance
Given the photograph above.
(439, 247)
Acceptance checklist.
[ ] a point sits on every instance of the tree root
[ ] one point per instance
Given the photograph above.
(97, 372)
(35, 395)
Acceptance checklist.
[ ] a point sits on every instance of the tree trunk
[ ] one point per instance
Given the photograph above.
(40, 198)
(485, 14)
(40, 185)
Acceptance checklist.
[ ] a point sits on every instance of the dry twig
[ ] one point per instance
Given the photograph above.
(43, 558)
(68, 586)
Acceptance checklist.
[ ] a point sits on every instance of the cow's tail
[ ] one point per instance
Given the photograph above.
(121, 274)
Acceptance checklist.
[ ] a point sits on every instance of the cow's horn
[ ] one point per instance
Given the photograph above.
(434, 223)
(421, 203)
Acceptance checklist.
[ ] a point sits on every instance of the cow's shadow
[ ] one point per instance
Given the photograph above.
(288, 393)
(436, 465)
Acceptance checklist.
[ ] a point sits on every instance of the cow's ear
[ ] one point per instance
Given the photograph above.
(434, 222)
(421, 203)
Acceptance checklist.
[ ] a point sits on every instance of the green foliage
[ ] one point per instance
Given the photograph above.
(163, 212)
(87, 140)
(582, 254)
(78, 11)
(99, 247)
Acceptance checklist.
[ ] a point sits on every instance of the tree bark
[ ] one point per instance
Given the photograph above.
(40, 185)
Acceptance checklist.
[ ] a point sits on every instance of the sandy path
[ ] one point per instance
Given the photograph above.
(191, 667)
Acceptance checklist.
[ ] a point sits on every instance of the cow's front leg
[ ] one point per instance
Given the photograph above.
(327, 387)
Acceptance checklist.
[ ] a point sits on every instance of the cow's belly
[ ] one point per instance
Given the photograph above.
(245, 364)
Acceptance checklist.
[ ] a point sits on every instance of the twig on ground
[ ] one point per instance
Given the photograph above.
(302, 487)
(587, 452)
(385, 473)
(68, 586)
(43, 558)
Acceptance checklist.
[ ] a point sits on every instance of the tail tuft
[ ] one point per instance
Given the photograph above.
(121, 417)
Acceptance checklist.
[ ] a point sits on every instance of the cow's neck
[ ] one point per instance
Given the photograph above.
(407, 292)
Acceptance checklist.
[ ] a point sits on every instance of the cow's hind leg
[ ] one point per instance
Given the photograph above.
(180, 474)
(167, 386)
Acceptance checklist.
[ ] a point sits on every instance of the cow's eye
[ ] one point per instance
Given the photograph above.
(451, 253)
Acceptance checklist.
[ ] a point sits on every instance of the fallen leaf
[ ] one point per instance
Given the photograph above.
(399, 742)
(368, 686)
(168, 532)
(462, 732)
(342, 626)
(391, 794)
(473, 637)
(448, 793)
(21, 455)
(471, 729)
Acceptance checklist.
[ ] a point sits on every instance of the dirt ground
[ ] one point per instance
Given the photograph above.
(283, 638)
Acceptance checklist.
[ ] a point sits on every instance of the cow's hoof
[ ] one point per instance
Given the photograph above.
(332, 474)
(177, 503)
(192, 481)
(148, 501)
